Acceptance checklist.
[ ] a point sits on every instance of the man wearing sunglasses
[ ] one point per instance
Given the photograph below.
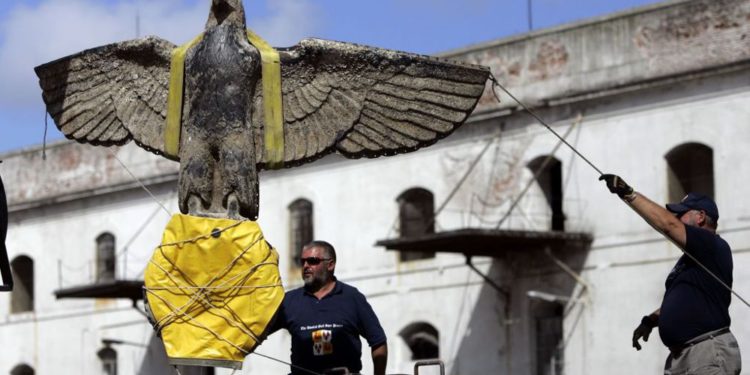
(326, 317)
(693, 319)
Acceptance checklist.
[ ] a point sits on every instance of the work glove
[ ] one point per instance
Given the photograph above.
(643, 331)
(617, 185)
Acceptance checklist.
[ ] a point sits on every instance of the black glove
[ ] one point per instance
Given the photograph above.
(643, 331)
(617, 185)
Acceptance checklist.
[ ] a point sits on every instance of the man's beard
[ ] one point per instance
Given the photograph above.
(313, 282)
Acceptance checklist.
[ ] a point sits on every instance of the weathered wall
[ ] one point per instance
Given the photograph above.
(661, 41)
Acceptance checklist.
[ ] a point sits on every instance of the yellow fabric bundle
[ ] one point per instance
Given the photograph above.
(213, 286)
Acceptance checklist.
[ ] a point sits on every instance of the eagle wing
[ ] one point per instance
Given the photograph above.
(111, 94)
(363, 101)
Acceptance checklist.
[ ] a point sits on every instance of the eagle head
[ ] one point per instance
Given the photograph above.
(226, 11)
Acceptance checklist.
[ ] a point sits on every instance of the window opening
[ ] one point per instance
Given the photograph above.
(22, 296)
(690, 167)
(105, 257)
(416, 218)
(550, 181)
(422, 339)
(300, 228)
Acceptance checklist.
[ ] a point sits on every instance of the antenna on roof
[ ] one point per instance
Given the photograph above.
(137, 23)
(529, 15)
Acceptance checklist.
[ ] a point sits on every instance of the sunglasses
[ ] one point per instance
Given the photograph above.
(313, 261)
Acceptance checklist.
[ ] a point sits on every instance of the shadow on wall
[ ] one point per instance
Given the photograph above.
(155, 359)
(482, 345)
(519, 330)
(155, 362)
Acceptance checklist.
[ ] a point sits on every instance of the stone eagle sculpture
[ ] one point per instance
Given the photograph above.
(337, 97)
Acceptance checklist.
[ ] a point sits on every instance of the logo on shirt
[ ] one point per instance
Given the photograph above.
(322, 342)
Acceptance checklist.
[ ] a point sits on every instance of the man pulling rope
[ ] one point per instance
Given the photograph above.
(693, 319)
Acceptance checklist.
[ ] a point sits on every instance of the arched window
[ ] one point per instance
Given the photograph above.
(300, 227)
(423, 340)
(690, 167)
(105, 257)
(416, 211)
(108, 356)
(22, 369)
(549, 180)
(22, 297)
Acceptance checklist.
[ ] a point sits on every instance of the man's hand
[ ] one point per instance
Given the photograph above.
(643, 331)
(617, 185)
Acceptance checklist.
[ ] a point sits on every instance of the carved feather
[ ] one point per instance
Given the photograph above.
(111, 94)
(367, 102)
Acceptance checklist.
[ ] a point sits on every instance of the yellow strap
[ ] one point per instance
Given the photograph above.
(272, 115)
(174, 100)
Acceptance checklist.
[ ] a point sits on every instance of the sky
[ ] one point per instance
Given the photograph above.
(33, 32)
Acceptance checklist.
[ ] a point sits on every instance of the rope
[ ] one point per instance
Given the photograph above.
(200, 294)
(202, 297)
(287, 363)
(691, 257)
(537, 174)
(142, 228)
(140, 183)
(463, 179)
(533, 114)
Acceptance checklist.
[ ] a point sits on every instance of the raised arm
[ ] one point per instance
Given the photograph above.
(657, 216)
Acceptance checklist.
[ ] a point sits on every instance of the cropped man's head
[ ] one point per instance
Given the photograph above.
(696, 209)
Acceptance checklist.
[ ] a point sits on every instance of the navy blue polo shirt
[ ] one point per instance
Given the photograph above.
(325, 333)
(694, 302)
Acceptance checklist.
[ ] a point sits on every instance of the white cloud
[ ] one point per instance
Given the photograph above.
(33, 35)
(291, 21)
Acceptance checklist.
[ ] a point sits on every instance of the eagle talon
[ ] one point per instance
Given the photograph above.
(194, 205)
(233, 207)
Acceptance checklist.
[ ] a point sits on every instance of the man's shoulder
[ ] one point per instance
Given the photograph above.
(706, 237)
(295, 293)
(345, 288)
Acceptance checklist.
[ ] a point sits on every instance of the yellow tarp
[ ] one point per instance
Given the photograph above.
(213, 286)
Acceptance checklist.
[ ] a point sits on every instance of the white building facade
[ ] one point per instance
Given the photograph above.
(659, 95)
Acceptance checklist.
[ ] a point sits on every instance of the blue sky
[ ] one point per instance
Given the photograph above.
(33, 32)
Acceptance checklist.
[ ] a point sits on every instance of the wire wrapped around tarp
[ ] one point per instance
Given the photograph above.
(212, 286)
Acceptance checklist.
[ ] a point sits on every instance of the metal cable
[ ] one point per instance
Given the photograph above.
(536, 174)
(140, 183)
(286, 363)
(533, 114)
